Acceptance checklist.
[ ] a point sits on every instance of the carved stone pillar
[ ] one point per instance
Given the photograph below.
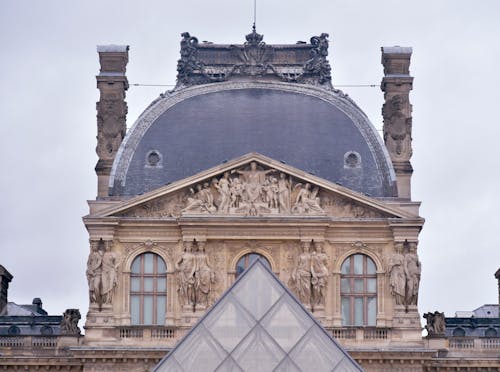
(111, 110)
(396, 112)
(5, 279)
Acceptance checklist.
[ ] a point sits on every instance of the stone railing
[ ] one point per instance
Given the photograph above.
(147, 332)
(470, 343)
(38, 342)
(360, 334)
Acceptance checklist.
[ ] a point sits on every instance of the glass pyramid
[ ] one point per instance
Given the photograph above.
(257, 325)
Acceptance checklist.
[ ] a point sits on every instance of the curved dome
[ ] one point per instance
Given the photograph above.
(315, 130)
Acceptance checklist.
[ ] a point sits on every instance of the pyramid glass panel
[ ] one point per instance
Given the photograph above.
(316, 352)
(258, 352)
(286, 323)
(229, 365)
(256, 291)
(257, 326)
(200, 352)
(287, 365)
(229, 322)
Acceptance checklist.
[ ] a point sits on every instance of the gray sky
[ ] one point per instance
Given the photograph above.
(48, 92)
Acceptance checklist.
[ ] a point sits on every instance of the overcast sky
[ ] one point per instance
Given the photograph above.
(48, 63)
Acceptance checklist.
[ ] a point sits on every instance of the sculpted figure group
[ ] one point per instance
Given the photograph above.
(436, 325)
(195, 275)
(101, 273)
(253, 192)
(69, 323)
(310, 277)
(404, 278)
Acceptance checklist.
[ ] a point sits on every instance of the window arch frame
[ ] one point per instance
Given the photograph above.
(351, 294)
(246, 256)
(157, 296)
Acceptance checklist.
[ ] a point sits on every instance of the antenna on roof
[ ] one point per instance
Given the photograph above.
(254, 15)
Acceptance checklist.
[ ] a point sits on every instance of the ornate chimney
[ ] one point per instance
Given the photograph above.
(5, 279)
(111, 110)
(396, 111)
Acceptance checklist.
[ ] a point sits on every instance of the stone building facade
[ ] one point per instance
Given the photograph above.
(255, 154)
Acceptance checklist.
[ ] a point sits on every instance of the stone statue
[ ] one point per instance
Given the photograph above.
(109, 275)
(101, 273)
(404, 278)
(284, 194)
(94, 272)
(186, 269)
(69, 323)
(301, 275)
(436, 325)
(200, 201)
(253, 181)
(223, 186)
(397, 278)
(305, 200)
(412, 272)
(319, 273)
(204, 276)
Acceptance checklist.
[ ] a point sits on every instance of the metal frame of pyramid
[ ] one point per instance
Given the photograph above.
(257, 325)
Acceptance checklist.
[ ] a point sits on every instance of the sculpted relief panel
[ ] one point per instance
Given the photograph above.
(252, 190)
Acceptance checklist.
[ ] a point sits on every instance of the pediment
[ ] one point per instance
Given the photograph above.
(257, 186)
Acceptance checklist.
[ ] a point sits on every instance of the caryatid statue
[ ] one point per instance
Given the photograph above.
(204, 276)
(101, 273)
(186, 270)
(300, 279)
(319, 274)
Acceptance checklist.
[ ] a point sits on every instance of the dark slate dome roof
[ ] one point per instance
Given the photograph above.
(193, 129)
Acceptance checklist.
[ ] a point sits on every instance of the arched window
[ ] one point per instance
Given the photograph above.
(358, 291)
(458, 332)
(247, 260)
(148, 290)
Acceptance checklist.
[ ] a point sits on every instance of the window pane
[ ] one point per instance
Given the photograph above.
(358, 311)
(148, 284)
(148, 310)
(135, 310)
(136, 265)
(372, 285)
(161, 284)
(372, 311)
(345, 285)
(247, 260)
(148, 263)
(370, 266)
(160, 310)
(358, 264)
(346, 266)
(346, 311)
(162, 268)
(358, 285)
(135, 284)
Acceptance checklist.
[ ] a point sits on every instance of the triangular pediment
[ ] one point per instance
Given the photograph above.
(257, 325)
(253, 185)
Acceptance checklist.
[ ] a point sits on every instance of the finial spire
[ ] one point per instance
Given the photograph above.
(254, 27)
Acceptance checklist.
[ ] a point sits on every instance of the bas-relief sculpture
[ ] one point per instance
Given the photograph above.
(308, 279)
(195, 276)
(253, 191)
(404, 278)
(397, 128)
(101, 273)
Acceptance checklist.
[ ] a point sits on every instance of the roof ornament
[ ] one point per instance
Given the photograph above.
(189, 61)
(253, 38)
(318, 64)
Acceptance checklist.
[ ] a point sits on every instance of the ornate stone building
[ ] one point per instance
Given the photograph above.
(255, 154)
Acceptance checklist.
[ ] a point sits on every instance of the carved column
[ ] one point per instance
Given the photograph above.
(396, 112)
(111, 110)
(5, 279)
